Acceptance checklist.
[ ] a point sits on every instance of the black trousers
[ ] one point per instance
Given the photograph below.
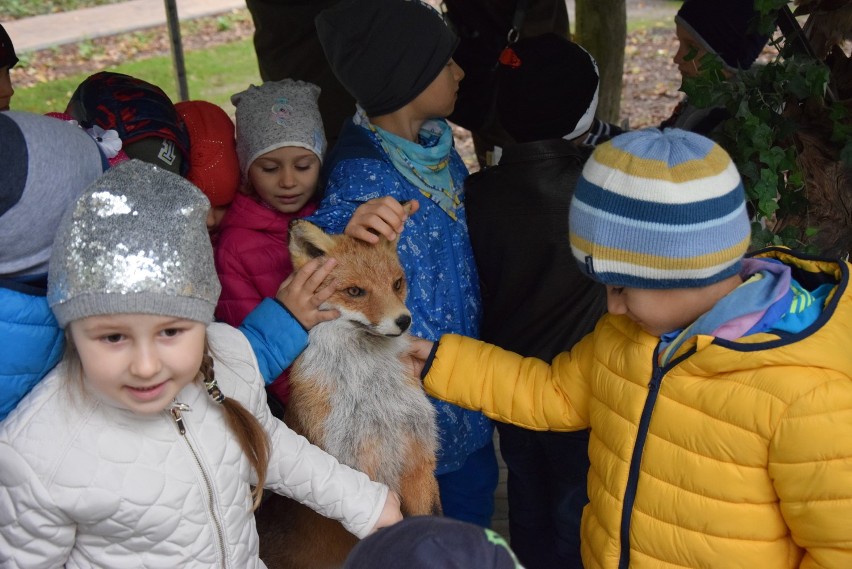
(546, 494)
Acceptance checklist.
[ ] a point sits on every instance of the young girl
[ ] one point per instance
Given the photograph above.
(151, 445)
(280, 144)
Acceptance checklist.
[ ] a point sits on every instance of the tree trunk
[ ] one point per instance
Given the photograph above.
(601, 28)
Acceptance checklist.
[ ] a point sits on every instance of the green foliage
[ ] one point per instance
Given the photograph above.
(759, 135)
(213, 74)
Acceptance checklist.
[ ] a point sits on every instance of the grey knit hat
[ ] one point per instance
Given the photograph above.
(277, 114)
(135, 242)
(45, 164)
(385, 52)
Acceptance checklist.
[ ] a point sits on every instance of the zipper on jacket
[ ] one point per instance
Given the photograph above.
(181, 427)
(635, 462)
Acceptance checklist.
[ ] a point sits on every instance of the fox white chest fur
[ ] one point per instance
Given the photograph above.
(351, 395)
(373, 404)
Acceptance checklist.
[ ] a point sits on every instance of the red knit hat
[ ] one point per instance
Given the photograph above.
(214, 166)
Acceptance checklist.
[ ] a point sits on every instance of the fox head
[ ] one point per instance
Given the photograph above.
(369, 281)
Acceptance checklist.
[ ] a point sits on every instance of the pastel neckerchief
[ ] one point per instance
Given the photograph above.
(763, 302)
(425, 165)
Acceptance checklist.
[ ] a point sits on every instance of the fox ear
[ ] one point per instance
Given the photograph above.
(307, 241)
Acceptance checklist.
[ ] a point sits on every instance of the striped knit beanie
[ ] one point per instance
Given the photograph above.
(659, 210)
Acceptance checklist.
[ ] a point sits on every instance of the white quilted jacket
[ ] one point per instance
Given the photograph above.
(85, 484)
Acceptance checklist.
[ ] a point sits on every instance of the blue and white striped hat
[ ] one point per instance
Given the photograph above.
(659, 210)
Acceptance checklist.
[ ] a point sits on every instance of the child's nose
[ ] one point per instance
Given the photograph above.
(287, 179)
(146, 363)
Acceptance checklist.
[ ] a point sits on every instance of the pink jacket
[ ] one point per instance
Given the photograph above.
(252, 258)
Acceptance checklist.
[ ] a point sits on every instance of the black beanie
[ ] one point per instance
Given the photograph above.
(726, 28)
(547, 88)
(424, 542)
(7, 50)
(385, 52)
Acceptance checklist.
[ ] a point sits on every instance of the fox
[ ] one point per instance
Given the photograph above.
(352, 395)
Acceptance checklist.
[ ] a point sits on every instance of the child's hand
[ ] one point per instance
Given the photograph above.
(380, 216)
(390, 513)
(416, 355)
(302, 293)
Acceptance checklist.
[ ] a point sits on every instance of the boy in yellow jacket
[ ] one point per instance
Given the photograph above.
(718, 388)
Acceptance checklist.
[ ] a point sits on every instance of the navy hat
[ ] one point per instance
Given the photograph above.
(425, 542)
(143, 115)
(385, 52)
(7, 50)
(724, 27)
(547, 88)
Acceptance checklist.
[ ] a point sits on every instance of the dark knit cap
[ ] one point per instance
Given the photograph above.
(7, 50)
(547, 88)
(425, 542)
(726, 28)
(143, 115)
(385, 52)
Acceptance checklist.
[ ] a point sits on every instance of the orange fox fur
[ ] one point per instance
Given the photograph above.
(351, 395)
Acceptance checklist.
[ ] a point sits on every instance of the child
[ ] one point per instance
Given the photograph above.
(535, 301)
(280, 145)
(143, 448)
(8, 60)
(717, 388)
(399, 146)
(725, 28)
(45, 164)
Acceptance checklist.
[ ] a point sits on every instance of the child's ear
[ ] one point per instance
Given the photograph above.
(307, 241)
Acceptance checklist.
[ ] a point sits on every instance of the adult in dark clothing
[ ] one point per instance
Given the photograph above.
(725, 28)
(287, 45)
(535, 300)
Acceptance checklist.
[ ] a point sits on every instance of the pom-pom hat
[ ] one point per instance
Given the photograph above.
(659, 210)
(135, 242)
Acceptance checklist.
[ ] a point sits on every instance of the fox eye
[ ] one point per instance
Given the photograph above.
(355, 291)
(397, 284)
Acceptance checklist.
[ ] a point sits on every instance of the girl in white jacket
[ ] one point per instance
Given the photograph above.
(149, 446)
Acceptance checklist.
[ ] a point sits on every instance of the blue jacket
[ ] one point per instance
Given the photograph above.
(33, 343)
(435, 251)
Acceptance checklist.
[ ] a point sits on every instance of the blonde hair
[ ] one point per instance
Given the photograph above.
(248, 431)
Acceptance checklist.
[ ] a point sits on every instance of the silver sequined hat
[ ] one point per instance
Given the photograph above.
(275, 115)
(135, 242)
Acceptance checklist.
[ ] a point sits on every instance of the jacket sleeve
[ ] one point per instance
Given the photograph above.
(34, 533)
(276, 337)
(810, 463)
(304, 472)
(509, 388)
(352, 183)
(239, 294)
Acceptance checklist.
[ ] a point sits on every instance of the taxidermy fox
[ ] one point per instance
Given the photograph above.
(351, 395)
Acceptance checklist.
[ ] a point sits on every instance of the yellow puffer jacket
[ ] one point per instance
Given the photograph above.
(738, 454)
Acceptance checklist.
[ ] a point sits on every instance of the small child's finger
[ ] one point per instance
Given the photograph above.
(318, 276)
(326, 315)
(324, 293)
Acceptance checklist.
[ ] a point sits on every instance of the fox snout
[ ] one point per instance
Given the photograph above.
(403, 322)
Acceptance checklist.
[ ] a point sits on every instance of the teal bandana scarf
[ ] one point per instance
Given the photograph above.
(425, 165)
